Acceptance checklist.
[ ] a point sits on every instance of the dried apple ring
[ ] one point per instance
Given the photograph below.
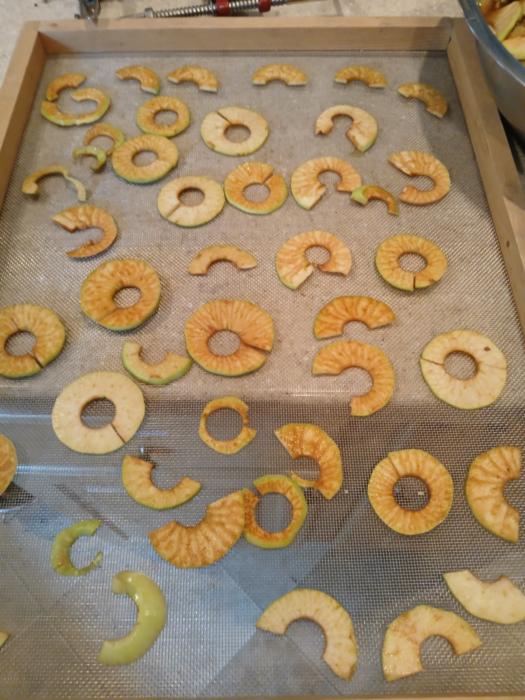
(136, 478)
(293, 493)
(215, 125)
(340, 652)
(306, 440)
(100, 287)
(285, 72)
(334, 316)
(84, 217)
(99, 154)
(149, 81)
(371, 77)
(420, 163)
(306, 186)
(363, 131)
(166, 152)
(172, 209)
(390, 251)
(30, 185)
(479, 391)
(103, 129)
(414, 463)
(48, 330)
(68, 80)
(151, 618)
(253, 325)
(487, 477)
(204, 78)
(407, 633)
(203, 544)
(67, 420)
(60, 551)
(254, 173)
(365, 193)
(147, 113)
(8, 462)
(227, 447)
(343, 354)
(222, 252)
(293, 267)
(433, 100)
(169, 369)
(51, 111)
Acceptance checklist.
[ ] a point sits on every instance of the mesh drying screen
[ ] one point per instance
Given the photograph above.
(210, 645)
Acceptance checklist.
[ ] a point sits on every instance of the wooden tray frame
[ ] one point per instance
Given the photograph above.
(503, 189)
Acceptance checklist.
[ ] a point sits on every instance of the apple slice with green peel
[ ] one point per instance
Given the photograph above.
(496, 601)
(340, 652)
(486, 480)
(67, 80)
(365, 193)
(8, 462)
(136, 477)
(171, 368)
(52, 112)
(193, 546)
(30, 185)
(151, 618)
(245, 436)
(4, 636)
(307, 440)
(274, 483)
(363, 131)
(60, 551)
(407, 633)
(504, 19)
(99, 154)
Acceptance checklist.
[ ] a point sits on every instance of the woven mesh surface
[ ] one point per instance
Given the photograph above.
(210, 646)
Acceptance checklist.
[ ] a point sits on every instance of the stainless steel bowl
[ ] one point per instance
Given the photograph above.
(505, 75)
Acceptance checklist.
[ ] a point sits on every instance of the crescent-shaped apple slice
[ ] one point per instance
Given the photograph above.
(205, 543)
(340, 652)
(151, 618)
(136, 477)
(407, 633)
(497, 601)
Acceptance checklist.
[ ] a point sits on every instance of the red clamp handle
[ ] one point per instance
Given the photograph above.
(223, 9)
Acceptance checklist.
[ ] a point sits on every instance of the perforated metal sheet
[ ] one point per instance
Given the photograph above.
(210, 646)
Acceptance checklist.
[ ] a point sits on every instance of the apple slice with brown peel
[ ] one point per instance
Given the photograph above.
(496, 601)
(193, 546)
(486, 480)
(340, 652)
(307, 440)
(407, 633)
(136, 477)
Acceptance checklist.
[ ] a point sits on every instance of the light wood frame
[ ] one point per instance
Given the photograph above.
(502, 185)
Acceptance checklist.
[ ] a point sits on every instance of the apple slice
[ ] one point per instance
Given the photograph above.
(486, 480)
(151, 618)
(204, 78)
(193, 546)
(148, 80)
(235, 444)
(497, 601)
(285, 72)
(8, 462)
(66, 538)
(136, 477)
(68, 80)
(340, 652)
(407, 633)
(504, 19)
(363, 131)
(171, 368)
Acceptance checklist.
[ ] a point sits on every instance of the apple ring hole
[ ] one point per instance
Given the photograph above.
(98, 413)
(306, 468)
(411, 493)
(224, 424)
(224, 343)
(20, 343)
(412, 262)
(318, 255)
(127, 296)
(256, 192)
(237, 133)
(358, 381)
(273, 512)
(191, 197)
(166, 117)
(460, 365)
(329, 178)
(144, 158)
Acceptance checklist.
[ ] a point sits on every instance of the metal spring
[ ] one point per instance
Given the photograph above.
(207, 9)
